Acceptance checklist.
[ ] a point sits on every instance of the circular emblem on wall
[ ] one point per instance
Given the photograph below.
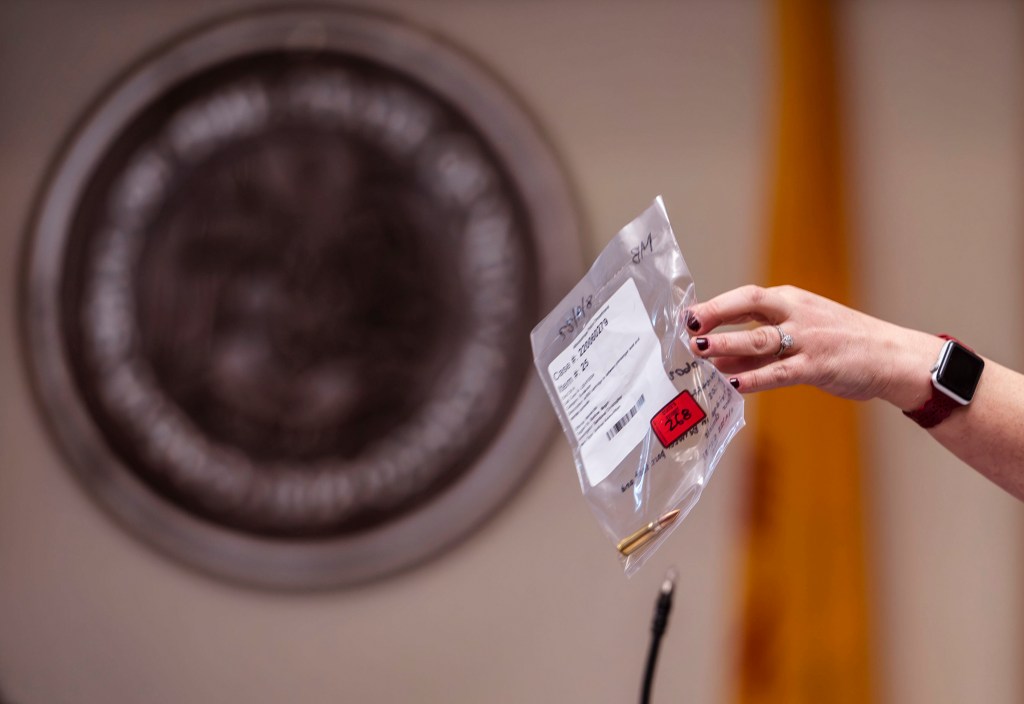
(279, 296)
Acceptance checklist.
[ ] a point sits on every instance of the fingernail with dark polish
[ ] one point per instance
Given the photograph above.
(692, 322)
(735, 382)
(702, 343)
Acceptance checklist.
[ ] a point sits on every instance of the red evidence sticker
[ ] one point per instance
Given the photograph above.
(679, 415)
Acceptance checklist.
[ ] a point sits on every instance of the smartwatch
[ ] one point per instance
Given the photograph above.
(955, 378)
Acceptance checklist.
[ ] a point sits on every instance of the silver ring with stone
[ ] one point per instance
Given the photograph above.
(785, 341)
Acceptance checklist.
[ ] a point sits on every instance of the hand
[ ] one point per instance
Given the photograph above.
(835, 348)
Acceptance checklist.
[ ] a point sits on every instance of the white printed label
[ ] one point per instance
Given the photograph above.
(610, 381)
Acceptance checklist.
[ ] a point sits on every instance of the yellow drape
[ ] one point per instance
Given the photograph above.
(804, 629)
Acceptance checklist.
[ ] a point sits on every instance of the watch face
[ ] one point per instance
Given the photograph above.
(959, 371)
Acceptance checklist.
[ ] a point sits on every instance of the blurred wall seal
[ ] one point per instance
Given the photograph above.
(279, 292)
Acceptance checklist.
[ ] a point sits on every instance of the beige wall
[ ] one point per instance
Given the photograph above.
(638, 99)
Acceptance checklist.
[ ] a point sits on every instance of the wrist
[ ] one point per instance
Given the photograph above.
(913, 355)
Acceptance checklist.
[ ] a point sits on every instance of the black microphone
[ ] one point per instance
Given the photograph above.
(662, 608)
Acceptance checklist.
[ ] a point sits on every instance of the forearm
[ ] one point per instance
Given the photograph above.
(988, 434)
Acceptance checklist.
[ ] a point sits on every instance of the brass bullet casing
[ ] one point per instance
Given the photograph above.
(633, 542)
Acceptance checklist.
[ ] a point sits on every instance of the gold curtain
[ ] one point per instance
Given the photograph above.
(804, 629)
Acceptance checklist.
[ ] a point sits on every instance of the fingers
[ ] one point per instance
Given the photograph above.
(759, 342)
(750, 357)
(775, 375)
(750, 374)
(739, 305)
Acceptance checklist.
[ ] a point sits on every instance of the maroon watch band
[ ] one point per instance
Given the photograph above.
(937, 408)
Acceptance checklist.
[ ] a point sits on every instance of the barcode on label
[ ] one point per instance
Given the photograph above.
(621, 423)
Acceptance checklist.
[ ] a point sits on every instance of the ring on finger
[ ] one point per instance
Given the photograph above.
(785, 341)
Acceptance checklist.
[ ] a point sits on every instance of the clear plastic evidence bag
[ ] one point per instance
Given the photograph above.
(647, 420)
